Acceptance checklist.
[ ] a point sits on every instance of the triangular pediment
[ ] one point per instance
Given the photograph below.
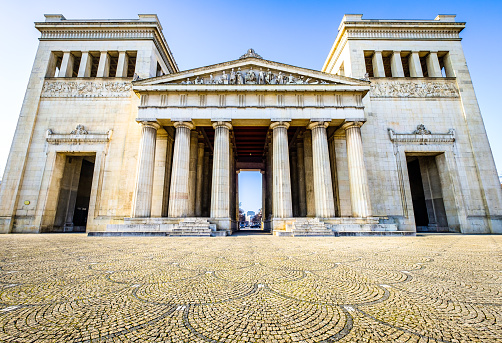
(250, 71)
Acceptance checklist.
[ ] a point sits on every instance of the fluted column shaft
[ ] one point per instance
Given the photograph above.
(309, 173)
(302, 203)
(198, 193)
(358, 179)
(178, 197)
(294, 182)
(282, 199)
(323, 188)
(142, 206)
(220, 192)
(192, 172)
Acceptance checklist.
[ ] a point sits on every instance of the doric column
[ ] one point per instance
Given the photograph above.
(220, 192)
(122, 64)
(66, 65)
(415, 65)
(358, 179)
(270, 181)
(206, 186)
(237, 172)
(433, 67)
(332, 160)
(378, 68)
(309, 174)
(142, 206)
(302, 204)
(294, 181)
(198, 192)
(323, 188)
(192, 172)
(396, 64)
(84, 69)
(178, 195)
(104, 65)
(263, 194)
(282, 207)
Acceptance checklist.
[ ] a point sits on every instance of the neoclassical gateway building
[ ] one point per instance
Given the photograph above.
(114, 139)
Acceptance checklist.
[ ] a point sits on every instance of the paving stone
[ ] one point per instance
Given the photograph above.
(74, 288)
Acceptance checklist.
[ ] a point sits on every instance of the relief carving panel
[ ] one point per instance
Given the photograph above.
(86, 88)
(413, 89)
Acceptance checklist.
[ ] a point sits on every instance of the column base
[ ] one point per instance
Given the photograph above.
(224, 224)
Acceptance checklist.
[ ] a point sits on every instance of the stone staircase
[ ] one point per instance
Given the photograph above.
(193, 227)
(304, 227)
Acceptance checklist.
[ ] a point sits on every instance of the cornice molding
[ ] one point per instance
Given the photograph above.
(422, 136)
(109, 30)
(78, 136)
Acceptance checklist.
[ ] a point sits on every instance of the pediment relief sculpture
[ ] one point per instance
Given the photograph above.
(250, 76)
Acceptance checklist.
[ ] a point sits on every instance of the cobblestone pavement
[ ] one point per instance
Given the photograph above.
(74, 288)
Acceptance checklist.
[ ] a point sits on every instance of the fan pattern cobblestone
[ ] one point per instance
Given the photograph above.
(74, 288)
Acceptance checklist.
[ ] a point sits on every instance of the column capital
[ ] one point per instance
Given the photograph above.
(152, 124)
(277, 124)
(226, 124)
(186, 124)
(316, 124)
(397, 51)
(351, 124)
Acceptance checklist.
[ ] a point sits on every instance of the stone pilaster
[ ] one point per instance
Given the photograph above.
(433, 67)
(104, 65)
(302, 203)
(396, 64)
(66, 65)
(415, 65)
(84, 69)
(358, 179)
(192, 172)
(309, 174)
(200, 176)
(220, 193)
(378, 68)
(142, 206)
(178, 196)
(323, 188)
(282, 207)
(122, 64)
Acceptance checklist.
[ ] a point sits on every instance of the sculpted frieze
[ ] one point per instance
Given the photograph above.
(87, 88)
(250, 77)
(413, 89)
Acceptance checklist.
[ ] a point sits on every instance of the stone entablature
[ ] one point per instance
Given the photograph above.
(87, 88)
(147, 27)
(414, 88)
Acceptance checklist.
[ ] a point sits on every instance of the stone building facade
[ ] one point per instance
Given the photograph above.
(113, 139)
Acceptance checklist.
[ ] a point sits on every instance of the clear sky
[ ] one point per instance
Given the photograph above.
(300, 33)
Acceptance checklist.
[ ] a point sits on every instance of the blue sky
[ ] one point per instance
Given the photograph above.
(300, 33)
